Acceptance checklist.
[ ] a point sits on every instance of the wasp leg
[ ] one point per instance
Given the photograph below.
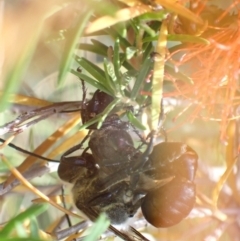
(77, 147)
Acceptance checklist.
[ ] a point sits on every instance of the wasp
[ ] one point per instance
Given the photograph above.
(117, 178)
(113, 176)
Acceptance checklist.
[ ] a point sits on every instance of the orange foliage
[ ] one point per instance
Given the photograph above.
(215, 66)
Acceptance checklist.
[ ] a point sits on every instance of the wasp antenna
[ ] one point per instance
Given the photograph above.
(28, 152)
(64, 205)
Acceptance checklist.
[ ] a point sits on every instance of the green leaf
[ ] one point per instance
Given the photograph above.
(92, 69)
(92, 48)
(34, 228)
(20, 239)
(148, 30)
(132, 119)
(97, 73)
(148, 49)
(184, 38)
(100, 117)
(70, 46)
(116, 35)
(111, 73)
(100, 45)
(33, 211)
(96, 47)
(116, 64)
(98, 228)
(145, 68)
(20, 230)
(91, 81)
(106, 111)
(151, 16)
(109, 81)
(134, 24)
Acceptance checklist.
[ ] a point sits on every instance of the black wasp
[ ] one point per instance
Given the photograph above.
(117, 178)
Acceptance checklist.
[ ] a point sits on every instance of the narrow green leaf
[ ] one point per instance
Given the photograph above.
(72, 40)
(91, 81)
(33, 211)
(130, 51)
(184, 38)
(148, 49)
(116, 64)
(20, 230)
(100, 45)
(34, 228)
(109, 81)
(96, 47)
(107, 110)
(20, 239)
(147, 65)
(97, 73)
(132, 119)
(148, 29)
(127, 65)
(98, 228)
(151, 16)
(134, 24)
(111, 73)
(100, 117)
(92, 48)
(92, 69)
(116, 35)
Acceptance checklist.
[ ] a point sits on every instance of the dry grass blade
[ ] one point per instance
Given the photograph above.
(41, 149)
(7, 141)
(27, 184)
(27, 100)
(139, 235)
(57, 199)
(73, 236)
(29, 174)
(70, 142)
(27, 119)
(75, 229)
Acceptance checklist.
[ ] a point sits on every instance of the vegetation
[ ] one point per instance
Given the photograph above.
(140, 51)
